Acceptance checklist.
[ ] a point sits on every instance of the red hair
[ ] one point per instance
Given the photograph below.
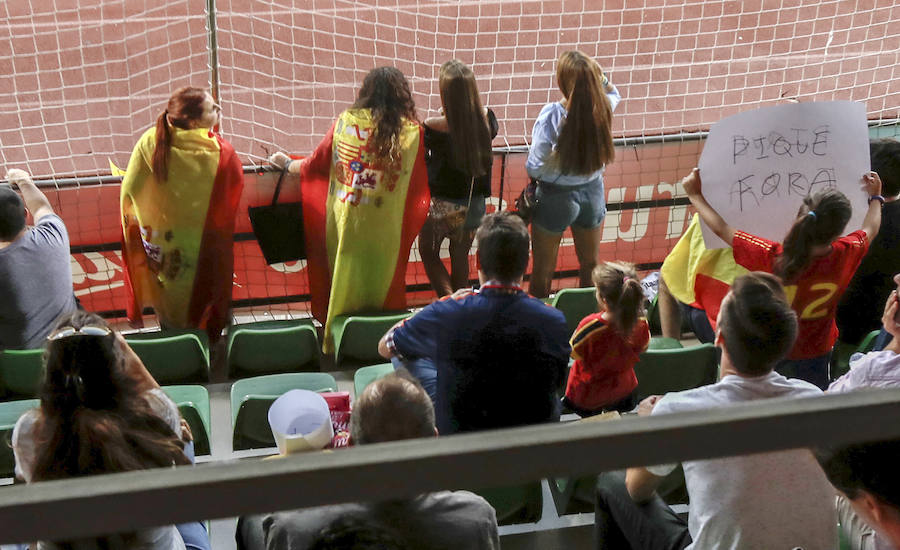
(184, 109)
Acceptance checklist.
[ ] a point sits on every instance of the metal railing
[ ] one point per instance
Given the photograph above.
(134, 500)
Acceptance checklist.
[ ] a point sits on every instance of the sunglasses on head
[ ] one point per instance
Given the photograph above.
(87, 330)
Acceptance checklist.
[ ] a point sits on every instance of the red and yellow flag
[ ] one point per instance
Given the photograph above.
(698, 276)
(177, 235)
(361, 215)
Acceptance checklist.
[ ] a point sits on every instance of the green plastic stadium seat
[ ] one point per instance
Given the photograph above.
(177, 359)
(193, 404)
(666, 370)
(20, 373)
(156, 334)
(252, 397)
(576, 304)
(356, 337)
(663, 342)
(868, 342)
(842, 352)
(366, 375)
(272, 347)
(515, 504)
(840, 358)
(9, 415)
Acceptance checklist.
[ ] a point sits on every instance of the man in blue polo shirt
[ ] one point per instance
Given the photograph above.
(499, 355)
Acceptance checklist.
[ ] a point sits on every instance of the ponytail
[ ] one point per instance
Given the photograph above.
(184, 110)
(619, 287)
(160, 161)
(630, 305)
(585, 140)
(821, 219)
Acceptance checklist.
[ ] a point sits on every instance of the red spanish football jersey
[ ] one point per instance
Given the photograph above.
(603, 371)
(815, 294)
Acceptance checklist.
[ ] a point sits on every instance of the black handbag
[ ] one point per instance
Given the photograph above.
(279, 228)
(527, 201)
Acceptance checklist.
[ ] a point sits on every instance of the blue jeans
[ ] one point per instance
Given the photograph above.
(699, 323)
(882, 340)
(194, 535)
(814, 370)
(424, 371)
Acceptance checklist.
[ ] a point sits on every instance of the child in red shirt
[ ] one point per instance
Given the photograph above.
(815, 265)
(606, 345)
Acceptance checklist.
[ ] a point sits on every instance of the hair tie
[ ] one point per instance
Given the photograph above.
(625, 279)
(812, 214)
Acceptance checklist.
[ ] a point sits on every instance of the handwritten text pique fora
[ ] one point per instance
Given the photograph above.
(756, 187)
(759, 165)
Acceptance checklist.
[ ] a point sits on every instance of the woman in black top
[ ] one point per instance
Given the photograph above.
(458, 156)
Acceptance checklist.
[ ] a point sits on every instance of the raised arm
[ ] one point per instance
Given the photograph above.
(871, 183)
(710, 217)
(35, 200)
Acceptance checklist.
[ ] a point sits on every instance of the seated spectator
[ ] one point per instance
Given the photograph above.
(35, 268)
(671, 312)
(693, 280)
(877, 369)
(866, 475)
(496, 355)
(767, 500)
(859, 310)
(607, 345)
(391, 408)
(102, 412)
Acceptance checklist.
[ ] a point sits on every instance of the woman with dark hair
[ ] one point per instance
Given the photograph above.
(365, 197)
(815, 265)
(100, 412)
(458, 156)
(570, 144)
(179, 198)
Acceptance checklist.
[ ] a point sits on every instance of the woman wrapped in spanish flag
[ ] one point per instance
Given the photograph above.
(365, 197)
(179, 197)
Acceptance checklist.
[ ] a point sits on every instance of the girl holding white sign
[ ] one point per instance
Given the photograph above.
(814, 264)
(570, 144)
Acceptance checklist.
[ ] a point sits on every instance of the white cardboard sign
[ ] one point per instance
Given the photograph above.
(757, 166)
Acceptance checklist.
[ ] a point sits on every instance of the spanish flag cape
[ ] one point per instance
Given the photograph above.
(698, 276)
(177, 235)
(360, 217)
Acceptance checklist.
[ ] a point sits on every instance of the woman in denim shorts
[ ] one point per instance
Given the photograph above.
(458, 156)
(567, 160)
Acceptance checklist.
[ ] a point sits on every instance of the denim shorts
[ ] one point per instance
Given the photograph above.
(559, 206)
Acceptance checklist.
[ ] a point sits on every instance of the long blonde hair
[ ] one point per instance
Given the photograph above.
(585, 140)
(470, 137)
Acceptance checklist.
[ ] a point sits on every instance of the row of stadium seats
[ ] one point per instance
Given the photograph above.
(254, 349)
(659, 370)
(268, 347)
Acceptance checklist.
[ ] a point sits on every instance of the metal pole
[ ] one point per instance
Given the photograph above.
(213, 46)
